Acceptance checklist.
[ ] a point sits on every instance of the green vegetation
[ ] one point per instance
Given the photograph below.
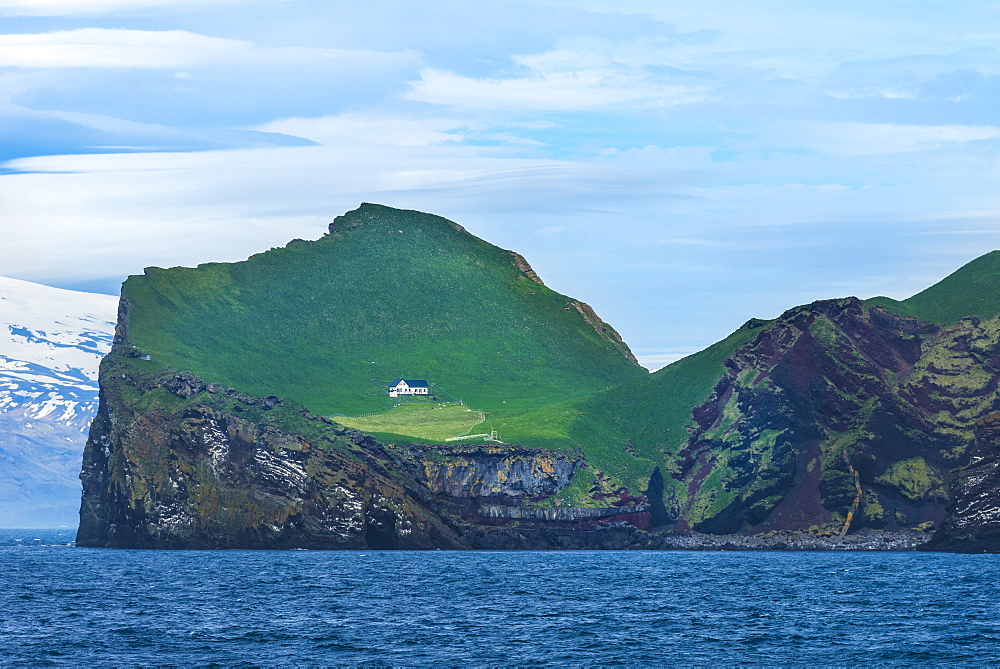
(627, 430)
(972, 290)
(425, 421)
(914, 479)
(873, 510)
(392, 293)
(387, 294)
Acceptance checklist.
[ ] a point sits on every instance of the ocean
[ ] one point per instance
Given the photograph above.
(62, 605)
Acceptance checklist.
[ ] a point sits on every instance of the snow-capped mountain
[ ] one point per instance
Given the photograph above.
(51, 343)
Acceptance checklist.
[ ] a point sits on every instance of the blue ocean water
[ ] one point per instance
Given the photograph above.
(65, 605)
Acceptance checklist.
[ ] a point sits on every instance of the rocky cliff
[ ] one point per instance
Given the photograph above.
(210, 430)
(174, 462)
(838, 415)
(973, 521)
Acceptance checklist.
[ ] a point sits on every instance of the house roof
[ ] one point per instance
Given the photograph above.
(413, 383)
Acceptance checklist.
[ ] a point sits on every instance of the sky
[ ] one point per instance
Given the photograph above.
(680, 166)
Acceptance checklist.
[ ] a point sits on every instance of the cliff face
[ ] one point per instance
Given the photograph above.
(493, 471)
(973, 520)
(173, 462)
(838, 415)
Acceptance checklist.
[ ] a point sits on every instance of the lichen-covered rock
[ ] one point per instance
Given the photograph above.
(173, 462)
(840, 415)
(165, 468)
(973, 520)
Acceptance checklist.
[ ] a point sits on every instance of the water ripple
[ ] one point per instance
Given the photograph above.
(62, 606)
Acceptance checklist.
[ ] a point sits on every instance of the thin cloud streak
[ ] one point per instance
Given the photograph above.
(159, 49)
(561, 91)
(103, 7)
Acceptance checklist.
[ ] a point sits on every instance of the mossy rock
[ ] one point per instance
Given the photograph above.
(915, 480)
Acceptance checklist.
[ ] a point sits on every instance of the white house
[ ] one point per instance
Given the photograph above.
(408, 387)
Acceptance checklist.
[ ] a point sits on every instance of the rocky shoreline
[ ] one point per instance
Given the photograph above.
(865, 540)
(623, 536)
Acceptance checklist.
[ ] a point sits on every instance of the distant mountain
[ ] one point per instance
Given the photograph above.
(51, 343)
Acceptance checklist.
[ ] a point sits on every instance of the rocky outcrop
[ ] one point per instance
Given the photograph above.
(605, 331)
(522, 264)
(165, 468)
(973, 521)
(493, 471)
(837, 409)
(174, 462)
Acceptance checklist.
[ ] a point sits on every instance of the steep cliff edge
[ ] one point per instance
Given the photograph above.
(973, 521)
(839, 415)
(173, 462)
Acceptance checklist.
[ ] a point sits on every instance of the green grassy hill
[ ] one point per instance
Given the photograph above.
(388, 293)
(627, 430)
(972, 290)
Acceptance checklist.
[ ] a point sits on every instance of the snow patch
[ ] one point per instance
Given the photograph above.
(51, 344)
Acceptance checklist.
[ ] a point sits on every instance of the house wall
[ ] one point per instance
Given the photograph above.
(403, 389)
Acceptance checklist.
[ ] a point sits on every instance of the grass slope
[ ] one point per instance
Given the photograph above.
(425, 421)
(388, 293)
(972, 290)
(627, 430)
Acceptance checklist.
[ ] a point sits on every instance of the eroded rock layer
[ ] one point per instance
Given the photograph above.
(839, 415)
(173, 462)
(973, 520)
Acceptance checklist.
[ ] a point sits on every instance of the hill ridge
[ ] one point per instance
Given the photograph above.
(970, 290)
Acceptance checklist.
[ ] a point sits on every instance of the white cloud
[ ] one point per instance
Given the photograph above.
(162, 49)
(860, 139)
(96, 47)
(384, 130)
(117, 213)
(557, 91)
(369, 130)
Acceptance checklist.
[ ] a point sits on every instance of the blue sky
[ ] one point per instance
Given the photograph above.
(681, 166)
